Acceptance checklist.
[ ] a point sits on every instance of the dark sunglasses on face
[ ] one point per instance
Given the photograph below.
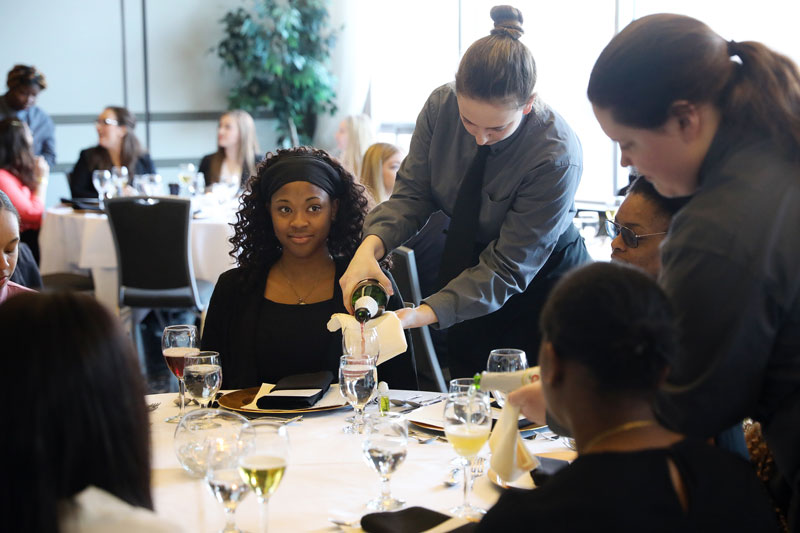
(106, 121)
(628, 236)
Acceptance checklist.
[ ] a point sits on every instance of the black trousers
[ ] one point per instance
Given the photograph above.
(516, 324)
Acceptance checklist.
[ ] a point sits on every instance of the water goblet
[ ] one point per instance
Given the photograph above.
(384, 448)
(467, 423)
(226, 484)
(358, 381)
(505, 360)
(119, 176)
(263, 466)
(101, 180)
(461, 385)
(176, 343)
(202, 374)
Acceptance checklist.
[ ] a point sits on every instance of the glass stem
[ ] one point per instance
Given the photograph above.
(230, 518)
(264, 512)
(182, 394)
(467, 481)
(386, 491)
(358, 421)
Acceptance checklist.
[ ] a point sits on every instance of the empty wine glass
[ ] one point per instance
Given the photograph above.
(119, 176)
(176, 343)
(384, 450)
(467, 423)
(358, 380)
(202, 374)
(263, 465)
(505, 360)
(226, 484)
(101, 180)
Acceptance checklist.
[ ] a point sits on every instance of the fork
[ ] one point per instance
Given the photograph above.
(153, 406)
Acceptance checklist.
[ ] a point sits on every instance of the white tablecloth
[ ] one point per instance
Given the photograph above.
(81, 242)
(326, 476)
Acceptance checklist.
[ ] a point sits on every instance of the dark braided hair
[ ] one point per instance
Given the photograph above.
(616, 321)
(255, 246)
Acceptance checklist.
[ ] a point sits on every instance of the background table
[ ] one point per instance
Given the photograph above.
(74, 241)
(326, 476)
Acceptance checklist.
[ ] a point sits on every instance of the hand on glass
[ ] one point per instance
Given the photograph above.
(364, 265)
(415, 317)
(530, 399)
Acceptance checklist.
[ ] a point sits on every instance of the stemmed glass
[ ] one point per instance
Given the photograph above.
(384, 450)
(101, 180)
(176, 343)
(358, 381)
(186, 175)
(505, 360)
(262, 467)
(202, 374)
(467, 422)
(119, 176)
(228, 487)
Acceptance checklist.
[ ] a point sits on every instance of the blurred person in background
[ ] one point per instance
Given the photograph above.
(352, 139)
(24, 85)
(237, 150)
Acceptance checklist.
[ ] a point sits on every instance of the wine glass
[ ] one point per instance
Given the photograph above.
(101, 180)
(467, 422)
(461, 385)
(208, 438)
(176, 343)
(358, 379)
(119, 176)
(186, 175)
(505, 360)
(384, 450)
(361, 341)
(262, 467)
(226, 484)
(202, 375)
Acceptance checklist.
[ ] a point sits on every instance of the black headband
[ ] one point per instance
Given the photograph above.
(301, 168)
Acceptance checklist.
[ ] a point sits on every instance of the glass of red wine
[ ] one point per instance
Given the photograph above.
(176, 343)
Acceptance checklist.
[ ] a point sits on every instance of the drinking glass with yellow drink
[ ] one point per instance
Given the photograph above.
(467, 423)
(263, 466)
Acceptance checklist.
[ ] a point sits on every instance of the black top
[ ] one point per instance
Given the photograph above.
(261, 341)
(211, 165)
(633, 492)
(80, 179)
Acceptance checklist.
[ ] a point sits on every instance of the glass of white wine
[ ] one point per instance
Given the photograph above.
(176, 343)
(467, 423)
(505, 360)
(385, 444)
(358, 381)
(263, 465)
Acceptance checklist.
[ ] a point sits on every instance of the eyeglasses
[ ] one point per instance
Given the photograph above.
(106, 121)
(628, 236)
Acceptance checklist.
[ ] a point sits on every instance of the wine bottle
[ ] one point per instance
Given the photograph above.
(369, 300)
(506, 381)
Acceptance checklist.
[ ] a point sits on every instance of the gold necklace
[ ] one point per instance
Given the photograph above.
(301, 300)
(622, 428)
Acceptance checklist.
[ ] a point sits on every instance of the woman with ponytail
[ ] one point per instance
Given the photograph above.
(505, 167)
(720, 120)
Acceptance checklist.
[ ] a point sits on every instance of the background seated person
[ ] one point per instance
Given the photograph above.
(237, 150)
(88, 458)
(298, 227)
(641, 224)
(117, 146)
(9, 253)
(607, 337)
(379, 170)
(24, 85)
(23, 177)
(353, 138)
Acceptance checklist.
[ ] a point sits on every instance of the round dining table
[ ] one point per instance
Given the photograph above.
(326, 476)
(81, 242)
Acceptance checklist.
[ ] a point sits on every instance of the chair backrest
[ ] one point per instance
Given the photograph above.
(404, 272)
(152, 241)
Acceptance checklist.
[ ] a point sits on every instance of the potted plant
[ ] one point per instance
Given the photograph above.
(280, 50)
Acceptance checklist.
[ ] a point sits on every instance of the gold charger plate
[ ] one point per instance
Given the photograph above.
(433, 427)
(236, 400)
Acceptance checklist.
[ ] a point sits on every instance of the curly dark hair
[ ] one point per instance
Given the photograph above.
(255, 246)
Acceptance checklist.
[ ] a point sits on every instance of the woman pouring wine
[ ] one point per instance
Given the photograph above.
(505, 167)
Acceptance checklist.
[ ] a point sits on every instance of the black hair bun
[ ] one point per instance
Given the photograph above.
(507, 21)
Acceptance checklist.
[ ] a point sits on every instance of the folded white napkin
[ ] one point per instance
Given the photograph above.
(510, 457)
(391, 338)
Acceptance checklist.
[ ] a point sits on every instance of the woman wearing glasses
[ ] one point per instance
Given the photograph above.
(719, 120)
(640, 225)
(117, 146)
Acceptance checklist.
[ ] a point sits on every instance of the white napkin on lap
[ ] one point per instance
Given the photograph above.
(391, 338)
(510, 457)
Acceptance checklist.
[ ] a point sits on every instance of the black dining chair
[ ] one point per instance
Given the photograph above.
(154, 257)
(429, 371)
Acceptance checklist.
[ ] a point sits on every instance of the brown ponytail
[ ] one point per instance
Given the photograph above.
(659, 59)
(498, 68)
